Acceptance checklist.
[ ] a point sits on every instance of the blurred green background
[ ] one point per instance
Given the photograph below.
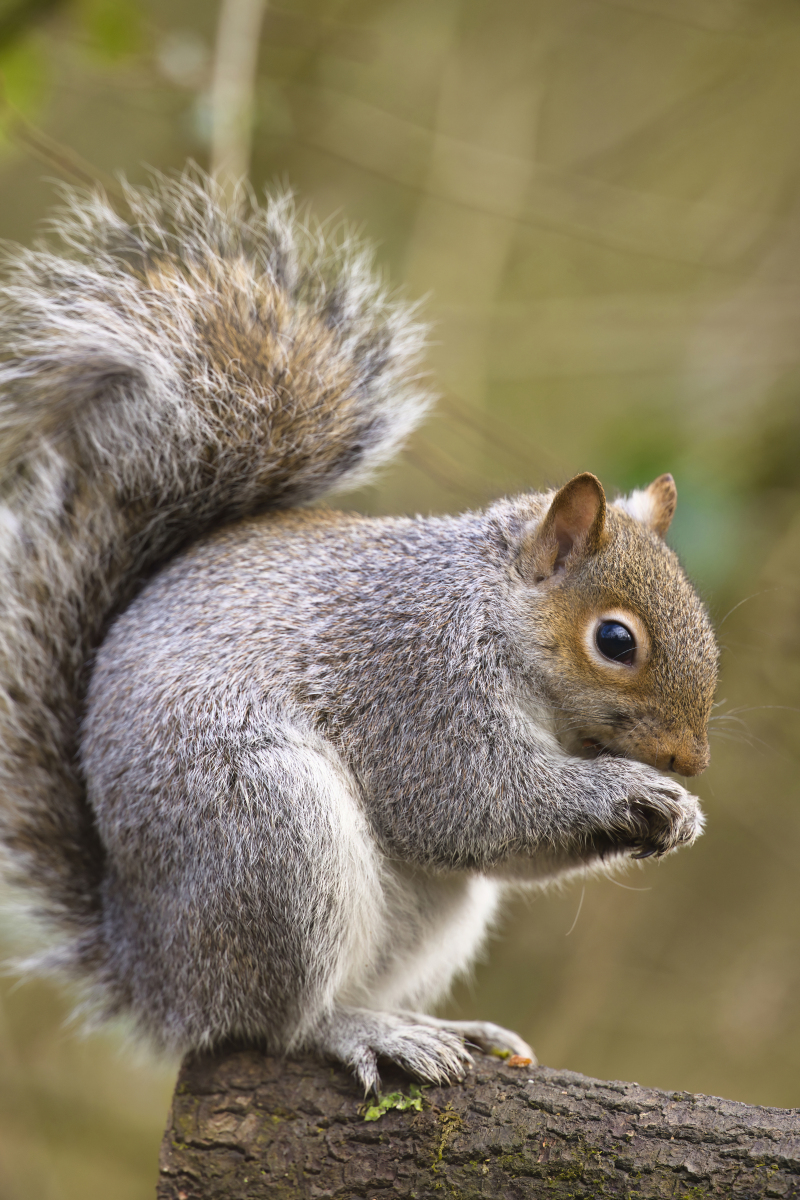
(601, 201)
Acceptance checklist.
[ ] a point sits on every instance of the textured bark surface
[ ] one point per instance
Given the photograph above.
(244, 1125)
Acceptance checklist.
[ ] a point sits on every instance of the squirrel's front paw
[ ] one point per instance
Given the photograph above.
(656, 816)
(661, 817)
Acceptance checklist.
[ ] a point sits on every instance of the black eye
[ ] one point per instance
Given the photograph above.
(616, 642)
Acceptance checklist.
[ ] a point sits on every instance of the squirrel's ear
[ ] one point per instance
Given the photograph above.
(663, 498)
(574, 524)
(654, 506)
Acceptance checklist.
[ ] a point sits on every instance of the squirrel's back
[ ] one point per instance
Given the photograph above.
(162, 373)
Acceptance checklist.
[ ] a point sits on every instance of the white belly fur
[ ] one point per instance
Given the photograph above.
(432, 928)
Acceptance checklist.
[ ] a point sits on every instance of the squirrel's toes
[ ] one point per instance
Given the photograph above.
(484, 1034)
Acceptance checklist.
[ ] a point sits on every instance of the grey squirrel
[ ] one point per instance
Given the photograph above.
(267, 769)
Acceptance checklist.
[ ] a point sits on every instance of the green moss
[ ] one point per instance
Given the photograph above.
(395, 1100)
(450, 1122)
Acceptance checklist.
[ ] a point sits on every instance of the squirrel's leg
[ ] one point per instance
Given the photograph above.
(243, 887)
(434, 925)
(249, 900)
(530, 813)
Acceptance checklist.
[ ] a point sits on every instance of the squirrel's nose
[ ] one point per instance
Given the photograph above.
(691, 757)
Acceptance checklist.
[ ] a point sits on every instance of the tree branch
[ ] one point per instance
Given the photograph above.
(245, 1125)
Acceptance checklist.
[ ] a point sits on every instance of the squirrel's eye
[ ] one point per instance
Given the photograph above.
(616, 642)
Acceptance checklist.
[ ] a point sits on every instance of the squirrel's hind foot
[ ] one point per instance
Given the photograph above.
(359, 1037)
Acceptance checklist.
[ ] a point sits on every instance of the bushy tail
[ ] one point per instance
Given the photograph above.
(186, 366)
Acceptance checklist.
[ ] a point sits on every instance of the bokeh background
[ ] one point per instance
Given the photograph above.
(601, 201)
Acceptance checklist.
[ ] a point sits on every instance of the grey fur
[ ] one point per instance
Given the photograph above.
(314, 748)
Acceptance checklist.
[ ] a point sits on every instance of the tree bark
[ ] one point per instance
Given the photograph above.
(245, 1125)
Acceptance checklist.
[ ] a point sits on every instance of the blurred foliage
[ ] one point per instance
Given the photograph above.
(24, 73)
(113, 28)
(601, 200)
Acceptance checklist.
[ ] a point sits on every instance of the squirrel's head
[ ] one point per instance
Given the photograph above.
(621, 643)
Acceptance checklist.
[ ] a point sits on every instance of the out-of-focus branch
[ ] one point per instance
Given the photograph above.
(444, 472)
(233, 89)
(501, 437)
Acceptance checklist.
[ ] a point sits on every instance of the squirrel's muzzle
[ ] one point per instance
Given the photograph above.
(684, 753)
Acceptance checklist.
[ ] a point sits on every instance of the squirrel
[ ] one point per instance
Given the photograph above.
(268, 769)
